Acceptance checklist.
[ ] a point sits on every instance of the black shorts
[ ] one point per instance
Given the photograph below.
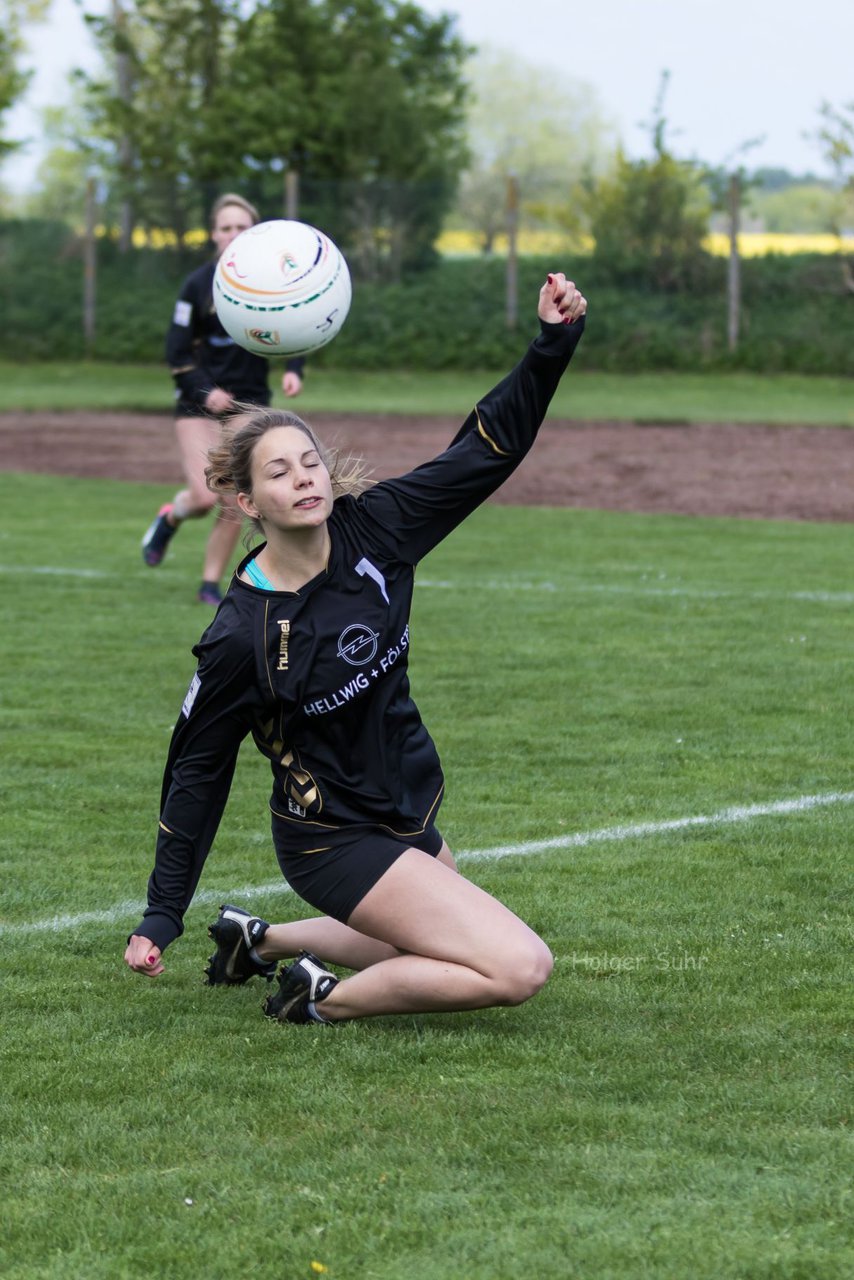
(185, 408)
(336, 877)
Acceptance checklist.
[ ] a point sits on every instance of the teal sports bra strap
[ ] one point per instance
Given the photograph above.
(257, 578)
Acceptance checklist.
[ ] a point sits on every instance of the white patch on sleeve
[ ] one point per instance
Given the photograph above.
(183, 313)
(195, 686)
(365, 567)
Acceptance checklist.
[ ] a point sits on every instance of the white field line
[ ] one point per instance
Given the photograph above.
(510, 584)
(132, 910)
(628, 589)
(52, 570)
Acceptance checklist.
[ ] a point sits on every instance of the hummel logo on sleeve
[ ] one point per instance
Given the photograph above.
(183, 313)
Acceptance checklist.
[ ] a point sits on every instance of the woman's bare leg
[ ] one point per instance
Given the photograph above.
(330, 940)
(457, 947)
(196, 436)
(336, 943)
(222, 540)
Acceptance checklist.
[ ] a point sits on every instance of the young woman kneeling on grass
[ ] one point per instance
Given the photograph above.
(308, 652)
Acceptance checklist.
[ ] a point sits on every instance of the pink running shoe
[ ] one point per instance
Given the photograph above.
(209, 593)
(158, 535)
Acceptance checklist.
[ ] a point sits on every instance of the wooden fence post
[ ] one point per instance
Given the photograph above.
(512, 302)
(90, 265)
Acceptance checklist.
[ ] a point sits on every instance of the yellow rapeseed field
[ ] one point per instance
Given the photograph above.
(464, 244)
(159, 239)
(755, 244)
(752, 244)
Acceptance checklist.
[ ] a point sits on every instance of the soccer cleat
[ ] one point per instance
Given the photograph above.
(302, 985)
(157, 537)
(209, 593)
(235, 933)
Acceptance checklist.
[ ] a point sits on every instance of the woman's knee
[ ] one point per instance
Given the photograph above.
(525, 970)
(200, 501)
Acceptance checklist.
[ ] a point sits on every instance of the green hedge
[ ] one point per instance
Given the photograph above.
(797, 316)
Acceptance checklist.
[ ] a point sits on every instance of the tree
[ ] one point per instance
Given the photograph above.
(155, 108)
(836, 136)
(519, 124)
(803, 205)
(729, 186)
(125, 146)
(13, 81)
(366, 93)
(649, 217)
(59, 191)
(365, 99)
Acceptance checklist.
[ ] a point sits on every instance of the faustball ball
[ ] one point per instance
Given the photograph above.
(282, 288)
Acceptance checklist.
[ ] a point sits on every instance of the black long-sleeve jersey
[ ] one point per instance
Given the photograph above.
(319, 676)
(201, 355)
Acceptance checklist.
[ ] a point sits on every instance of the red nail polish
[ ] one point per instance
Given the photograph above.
(550, 279)
(150, 960)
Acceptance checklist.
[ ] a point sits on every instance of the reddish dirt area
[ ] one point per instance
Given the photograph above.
(788, 473)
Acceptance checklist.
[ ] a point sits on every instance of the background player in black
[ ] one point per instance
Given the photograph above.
(309, 653)
(211, 373)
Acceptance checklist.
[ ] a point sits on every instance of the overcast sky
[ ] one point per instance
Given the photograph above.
(739, 69)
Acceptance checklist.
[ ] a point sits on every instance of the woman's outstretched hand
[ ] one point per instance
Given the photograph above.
(560, 301)
(143, 956)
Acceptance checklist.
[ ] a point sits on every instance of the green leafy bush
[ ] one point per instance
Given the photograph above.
(795, 317)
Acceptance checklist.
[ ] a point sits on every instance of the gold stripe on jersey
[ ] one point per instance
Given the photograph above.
(301, 786)
(306, 822)
(266, 663)
(488, 438)
(269, 745)
(402, 835)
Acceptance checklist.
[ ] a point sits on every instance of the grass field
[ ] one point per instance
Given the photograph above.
(645, 723)
(660, 397)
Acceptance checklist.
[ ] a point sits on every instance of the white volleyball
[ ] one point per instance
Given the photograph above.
(282, 288)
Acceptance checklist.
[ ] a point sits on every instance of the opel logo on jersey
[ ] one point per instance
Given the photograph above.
(357, 644)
